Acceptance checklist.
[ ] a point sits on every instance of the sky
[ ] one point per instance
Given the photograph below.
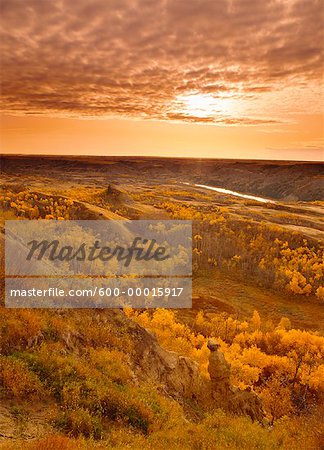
(190, 78)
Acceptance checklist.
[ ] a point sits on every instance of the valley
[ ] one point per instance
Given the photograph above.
(92, 378)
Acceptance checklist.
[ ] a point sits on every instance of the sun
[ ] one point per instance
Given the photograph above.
(204, 105)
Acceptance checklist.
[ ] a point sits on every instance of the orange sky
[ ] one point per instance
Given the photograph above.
(205, 78)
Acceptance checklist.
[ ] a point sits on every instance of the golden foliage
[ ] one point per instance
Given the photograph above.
(281, 361)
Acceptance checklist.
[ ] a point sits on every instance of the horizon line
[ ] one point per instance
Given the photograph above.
(44, 155)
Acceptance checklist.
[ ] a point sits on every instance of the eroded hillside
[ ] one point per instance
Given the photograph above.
(207, 377)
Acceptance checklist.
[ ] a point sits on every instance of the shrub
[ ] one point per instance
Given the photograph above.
(19, 329)
(51, 442)
(80, 423)
(111, 363)
(118, 403)
(17, 381)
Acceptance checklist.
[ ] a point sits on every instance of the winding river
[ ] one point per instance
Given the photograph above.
(236, 194)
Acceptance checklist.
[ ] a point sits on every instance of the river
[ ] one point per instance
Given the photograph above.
(236, 194)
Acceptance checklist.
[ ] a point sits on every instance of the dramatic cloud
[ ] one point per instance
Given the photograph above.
(141, 58)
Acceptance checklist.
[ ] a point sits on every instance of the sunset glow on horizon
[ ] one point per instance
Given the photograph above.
(218, 79)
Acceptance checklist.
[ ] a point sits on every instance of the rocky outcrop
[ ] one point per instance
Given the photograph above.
(177, 375)
(237, 401)
(218, 368)
(117, 196)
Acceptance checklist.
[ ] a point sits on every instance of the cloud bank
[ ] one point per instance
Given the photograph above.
(135, 58)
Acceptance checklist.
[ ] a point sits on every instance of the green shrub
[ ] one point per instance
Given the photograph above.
(80, 423)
